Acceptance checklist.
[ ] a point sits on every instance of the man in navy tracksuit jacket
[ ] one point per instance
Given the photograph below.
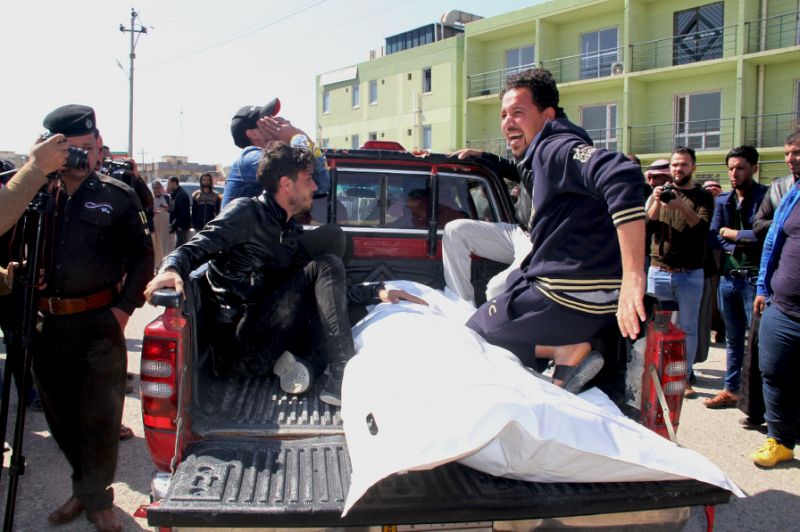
(587, 230)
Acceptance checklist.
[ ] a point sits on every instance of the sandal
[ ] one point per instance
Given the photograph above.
(574, 378)
(125, 433)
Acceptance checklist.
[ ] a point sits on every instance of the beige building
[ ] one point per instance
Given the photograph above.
(180, 167)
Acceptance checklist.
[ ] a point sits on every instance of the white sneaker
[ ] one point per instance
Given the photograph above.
(295, 374)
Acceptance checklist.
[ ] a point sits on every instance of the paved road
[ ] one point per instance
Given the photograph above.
(773, 504)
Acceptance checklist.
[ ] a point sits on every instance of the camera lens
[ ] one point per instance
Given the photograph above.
(77, 158)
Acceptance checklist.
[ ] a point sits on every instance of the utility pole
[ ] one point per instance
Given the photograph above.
(133, 31)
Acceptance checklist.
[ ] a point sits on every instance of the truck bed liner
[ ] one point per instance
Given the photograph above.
(258, 406)
(304, 482)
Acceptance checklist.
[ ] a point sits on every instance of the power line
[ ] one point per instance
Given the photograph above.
(365, 15)
(256, 29)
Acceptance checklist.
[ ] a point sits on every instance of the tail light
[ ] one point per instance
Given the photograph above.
(161, 347)
(664, 377)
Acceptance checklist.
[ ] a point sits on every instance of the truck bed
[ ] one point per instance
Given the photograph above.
(258, 407)
(281, 461)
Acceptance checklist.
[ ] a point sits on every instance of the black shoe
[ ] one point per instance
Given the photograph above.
(332, 391)
(36, 406)
(692, 378)
(575, 378)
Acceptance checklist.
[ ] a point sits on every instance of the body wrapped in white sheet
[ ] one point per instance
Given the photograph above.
(435, 392)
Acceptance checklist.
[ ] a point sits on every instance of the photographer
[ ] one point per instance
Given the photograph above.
(126, 171)
(97, 258)
(45, 158)
(679, 218)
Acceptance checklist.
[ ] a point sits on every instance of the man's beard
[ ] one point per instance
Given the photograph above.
(682, 179)
(302, 207)
(744, 184)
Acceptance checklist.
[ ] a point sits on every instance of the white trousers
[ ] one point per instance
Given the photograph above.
(501, 242)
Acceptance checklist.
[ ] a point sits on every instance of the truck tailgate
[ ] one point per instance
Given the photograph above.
(303, 483)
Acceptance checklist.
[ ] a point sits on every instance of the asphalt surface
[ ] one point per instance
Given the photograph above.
(773, 502)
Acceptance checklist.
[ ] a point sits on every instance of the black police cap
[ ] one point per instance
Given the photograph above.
(71, 120)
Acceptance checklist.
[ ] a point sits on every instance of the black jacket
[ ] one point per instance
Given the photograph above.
(252, 250)
(180, 217)
(251, 247)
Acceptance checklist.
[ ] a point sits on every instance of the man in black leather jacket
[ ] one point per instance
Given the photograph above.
(273, 292)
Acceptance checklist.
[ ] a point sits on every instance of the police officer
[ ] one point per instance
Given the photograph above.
(98, 257)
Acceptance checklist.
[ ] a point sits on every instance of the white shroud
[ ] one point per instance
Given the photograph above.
(436, 393)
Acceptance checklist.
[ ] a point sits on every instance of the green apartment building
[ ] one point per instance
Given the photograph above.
(642, 76)
(414, 95)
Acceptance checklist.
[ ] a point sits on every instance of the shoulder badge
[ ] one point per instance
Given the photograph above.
(143, 220)
(582, 152)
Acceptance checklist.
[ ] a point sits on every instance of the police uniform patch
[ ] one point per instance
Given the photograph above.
(105, 208)
(583, 152)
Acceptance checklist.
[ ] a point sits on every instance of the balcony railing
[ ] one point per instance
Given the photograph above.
(610, 139)
(770, 170)
(698, 134)
(769, 130)
(491, 82)
(703, 45)
(496, 146)
(585, 66)
(780, 31)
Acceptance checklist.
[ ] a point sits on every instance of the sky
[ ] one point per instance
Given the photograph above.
(199, 62)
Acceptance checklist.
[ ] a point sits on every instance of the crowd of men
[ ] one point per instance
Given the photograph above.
(280, 294)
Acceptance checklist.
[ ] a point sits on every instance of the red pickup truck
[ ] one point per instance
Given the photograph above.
(238, 452)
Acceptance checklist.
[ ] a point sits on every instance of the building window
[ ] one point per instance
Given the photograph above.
(598, 53)
(410, 39)
(698, 34)
(600, 121)
(373, 92)
(356, 95)
(325, 143)
(355, 142)
(326, 101)
(373, 135)
(427, 137)
(519, 59)
(697, 120)
(427, 82)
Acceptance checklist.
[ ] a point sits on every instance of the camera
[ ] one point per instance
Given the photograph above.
(668, 193)
(119, 169)
(77, 158)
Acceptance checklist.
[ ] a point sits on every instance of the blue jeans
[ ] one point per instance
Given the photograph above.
(779, 362)
(686, 288)
(736, 305)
